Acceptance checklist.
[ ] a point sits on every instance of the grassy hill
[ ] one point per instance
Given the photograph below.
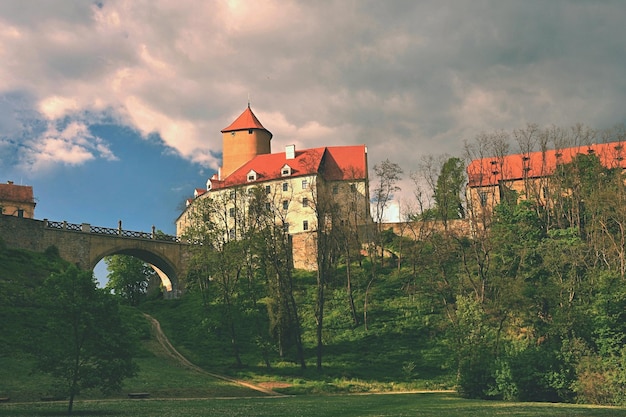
(21, 272)
(398, 352)
(401, 349)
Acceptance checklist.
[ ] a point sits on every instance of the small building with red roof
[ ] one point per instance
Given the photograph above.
(293, 183)
(17, 200)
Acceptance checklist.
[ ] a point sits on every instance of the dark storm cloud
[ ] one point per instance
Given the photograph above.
(405, 77)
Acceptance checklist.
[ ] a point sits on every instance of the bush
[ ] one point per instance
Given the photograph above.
(534, 373)
(601, 380)
(477, 376)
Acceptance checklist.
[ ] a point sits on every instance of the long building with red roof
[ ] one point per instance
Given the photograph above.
(293, 182)
(526, 173)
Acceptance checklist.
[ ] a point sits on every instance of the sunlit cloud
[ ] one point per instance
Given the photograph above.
(73, 145)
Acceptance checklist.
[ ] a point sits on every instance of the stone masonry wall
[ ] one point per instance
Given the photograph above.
(31, 234)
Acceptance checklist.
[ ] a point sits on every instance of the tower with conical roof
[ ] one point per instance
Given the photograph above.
(242, 141)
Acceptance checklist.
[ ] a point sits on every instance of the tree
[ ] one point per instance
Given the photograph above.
(216, 224)
(272, 251)
(84, 343)
(388, 174)
(448, 191)
(128, 277)
(327, 215)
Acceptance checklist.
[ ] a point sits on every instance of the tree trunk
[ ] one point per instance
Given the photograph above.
(355, 318)
(365, 302)
(319, 315)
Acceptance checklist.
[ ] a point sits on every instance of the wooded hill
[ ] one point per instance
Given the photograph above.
(530, 308)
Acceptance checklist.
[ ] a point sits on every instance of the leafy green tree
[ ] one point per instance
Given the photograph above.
(448, 191)
(84, 343)
(128, 277)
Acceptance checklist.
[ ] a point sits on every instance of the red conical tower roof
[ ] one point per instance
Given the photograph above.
(247, 120)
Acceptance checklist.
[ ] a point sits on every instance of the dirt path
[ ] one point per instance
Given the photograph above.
(174, 354)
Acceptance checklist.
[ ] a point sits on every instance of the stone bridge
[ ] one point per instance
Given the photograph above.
(86, 245)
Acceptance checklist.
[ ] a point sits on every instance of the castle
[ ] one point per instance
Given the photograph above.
(293, 182)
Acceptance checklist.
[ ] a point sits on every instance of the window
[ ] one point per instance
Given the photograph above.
(231, 234)
(305, 184)
(268, 189)
(20, 213)
(285, 186)
(232, 195)
(268, 206)
(305, 202)
(483, 198)
(231, 212)
(335, 189)
(305, 225)
(285, 204)
(286, 227)
(251, 177)
(353, 187)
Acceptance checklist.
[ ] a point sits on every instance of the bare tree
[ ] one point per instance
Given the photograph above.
(388, 174)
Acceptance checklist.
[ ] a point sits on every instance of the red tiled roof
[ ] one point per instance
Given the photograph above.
(489, 171)
(345, 163)
(247, 120)
(16, 193)
(333, 163)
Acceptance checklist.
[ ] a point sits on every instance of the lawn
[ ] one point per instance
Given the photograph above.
(396, 405)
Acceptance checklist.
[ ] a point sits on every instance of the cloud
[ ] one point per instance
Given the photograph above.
(404, 77)
(71, 145)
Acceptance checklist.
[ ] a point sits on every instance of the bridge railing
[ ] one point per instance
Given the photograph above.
(87, 228)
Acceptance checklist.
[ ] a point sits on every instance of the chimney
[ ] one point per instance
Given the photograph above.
(10, 182)
(290, 151)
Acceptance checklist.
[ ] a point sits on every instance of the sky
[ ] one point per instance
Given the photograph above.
(112, 109)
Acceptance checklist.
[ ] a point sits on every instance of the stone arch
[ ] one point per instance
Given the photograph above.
(164, 268)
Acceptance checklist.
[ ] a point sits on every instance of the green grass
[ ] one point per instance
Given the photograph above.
(402, 349)
(397, 405)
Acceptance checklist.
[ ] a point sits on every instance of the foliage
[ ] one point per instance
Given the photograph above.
(21, 274)
(84, 343)
(448, 190)
(128, 277)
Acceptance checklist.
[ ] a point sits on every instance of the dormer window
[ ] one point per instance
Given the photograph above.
(285, 170)
(208, 185)
(251, 175)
